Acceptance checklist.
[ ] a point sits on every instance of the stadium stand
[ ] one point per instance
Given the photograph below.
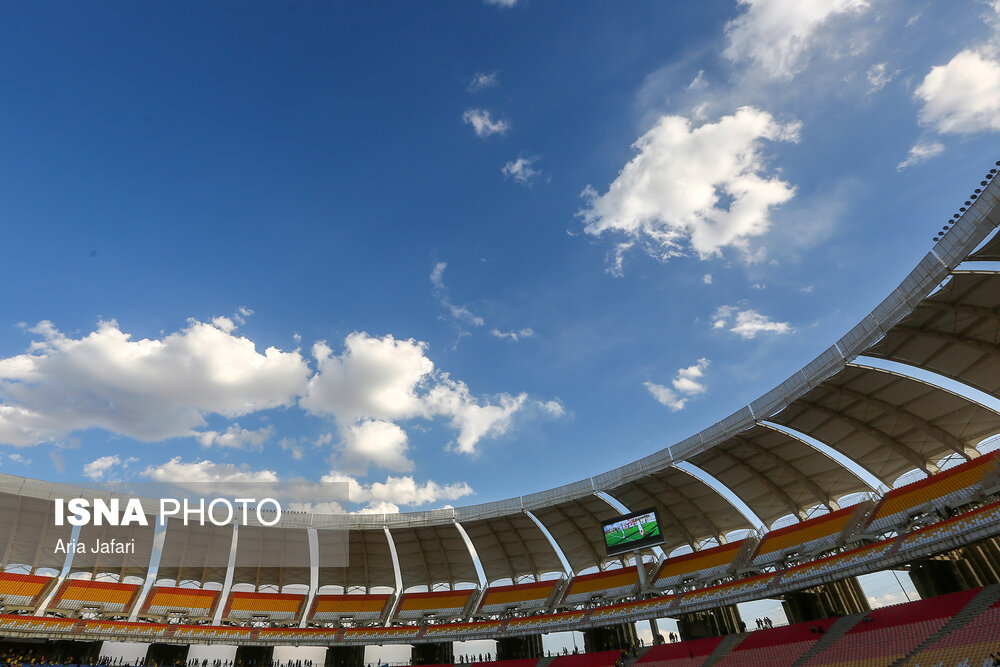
(439, 604)
(969, 645)
(953, 526)
(890, 633)
(296, 634)
(356, 608)
(728, 589)
(683, 654)
(97, 596)
(212, 632)
(22, 591)
(608, 585)
(950, 488)
(596, 659)
(546, 621)
(472, 630)
(13, 624)
(520, 662)
(703, 565)
(817, 534)
(134, 631)
(245, 606)
(163, 601)
(836, 562)
(379, 635)
(776, 646)
(652, 605)
(522, 597)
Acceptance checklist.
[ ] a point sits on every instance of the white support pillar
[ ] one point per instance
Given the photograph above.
(228, 583)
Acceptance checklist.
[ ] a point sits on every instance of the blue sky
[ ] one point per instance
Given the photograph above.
(454, 252)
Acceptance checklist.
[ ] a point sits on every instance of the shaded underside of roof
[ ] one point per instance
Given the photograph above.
(510, 547)
(776, 474)
(889, 423)
(955, 333)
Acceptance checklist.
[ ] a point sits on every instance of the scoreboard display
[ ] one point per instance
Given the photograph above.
(632, 531)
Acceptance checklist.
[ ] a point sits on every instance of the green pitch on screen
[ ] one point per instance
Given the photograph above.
(649, 529)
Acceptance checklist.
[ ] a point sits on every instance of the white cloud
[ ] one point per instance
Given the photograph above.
(879, 76)
(96, 468)
(440, 292)
(236, 437)
(482, 81)
(962, 96)
(292, 447)
(521, 170)
(374, 441)
(374, 378)
(666, 396)
(176, 471)
(920, 153)
(775, 36)
(388, 379)
(482, 122)
(687, 380)
(707, 279)
(386, 497)
(701, 186)
(472, 420)
(686, 383)
(553, 408)
(58, 462)
(501, 3)
(148, 389)
(747, 323)
(513, 335)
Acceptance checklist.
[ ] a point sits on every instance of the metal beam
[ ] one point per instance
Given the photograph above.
(821, 495)
(503, 551)
(444, 557)
(832, 454)
(974, 343)
(933, 430)
(978, 311)
(774, 488)
(579, 531)
(883, 438)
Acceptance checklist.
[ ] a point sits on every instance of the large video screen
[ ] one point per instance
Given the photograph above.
(632, 531)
